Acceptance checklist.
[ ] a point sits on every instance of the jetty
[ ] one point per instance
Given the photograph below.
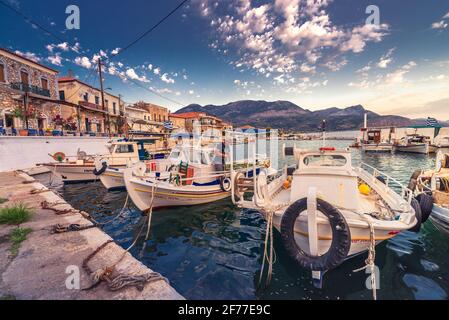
(46, 263)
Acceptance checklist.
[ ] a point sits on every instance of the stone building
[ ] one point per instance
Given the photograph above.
(28, 95)
(93, 117)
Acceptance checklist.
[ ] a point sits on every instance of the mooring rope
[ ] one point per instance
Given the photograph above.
(370, 261)
(121, 281)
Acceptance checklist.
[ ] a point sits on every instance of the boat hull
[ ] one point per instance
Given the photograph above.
(360, 235)
(377, 148)
(420, 149)
(73, 173)
(440, 218)
(112, 179)
(166, 195)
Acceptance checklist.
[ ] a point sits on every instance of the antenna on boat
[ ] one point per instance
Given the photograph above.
(323, 128)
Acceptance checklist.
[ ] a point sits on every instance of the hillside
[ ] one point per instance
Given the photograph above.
(287, 115)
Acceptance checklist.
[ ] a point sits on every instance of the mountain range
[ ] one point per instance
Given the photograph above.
(289, 116)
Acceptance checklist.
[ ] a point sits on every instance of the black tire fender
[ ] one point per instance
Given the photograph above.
(418, 214)
(104, 166)
(426, 204)
(341, 236)
(225, 184)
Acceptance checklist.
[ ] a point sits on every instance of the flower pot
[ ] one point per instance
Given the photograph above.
(23, 132)
(48, 133)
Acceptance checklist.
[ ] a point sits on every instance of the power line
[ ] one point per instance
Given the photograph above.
(157, 93)
(46, 31)
(30, 20)
(151, 29)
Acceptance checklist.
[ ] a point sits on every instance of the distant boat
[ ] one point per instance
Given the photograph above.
(372, 141)
(413, 144)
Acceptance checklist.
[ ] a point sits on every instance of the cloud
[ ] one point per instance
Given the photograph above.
(284, 36)
(157, 71)
(63, 46)
(28, 55)
(131, 73)
(360, 36)
(115, 51)
(165, 78)
(83, 62)
(386, 59)
(55, 59)
(439, 25)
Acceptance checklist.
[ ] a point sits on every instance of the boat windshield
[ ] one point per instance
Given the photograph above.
(325, 160)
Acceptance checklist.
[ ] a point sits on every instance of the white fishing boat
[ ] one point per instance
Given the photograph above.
(81, 168)
(413, 144)
(112, 177)
(325, 209)
(191, 176)
(372, 141)
(441, 142)
(432, 190)
(379, 147)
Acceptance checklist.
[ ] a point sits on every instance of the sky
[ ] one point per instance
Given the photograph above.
(315, 53)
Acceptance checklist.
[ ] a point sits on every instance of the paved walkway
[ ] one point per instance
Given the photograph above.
(39, 269)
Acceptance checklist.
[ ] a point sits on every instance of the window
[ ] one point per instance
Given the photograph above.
(325, 161)
(114, 108)
(62, 95)
(86, 97)
(97, 100)
(124, 148)
(144, 117)
(44, 83)
(2, 72)
(24, 77)
(106, 103)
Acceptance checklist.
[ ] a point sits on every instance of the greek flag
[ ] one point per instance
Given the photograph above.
(432, 122)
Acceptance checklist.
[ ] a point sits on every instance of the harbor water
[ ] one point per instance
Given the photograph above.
(214, 251)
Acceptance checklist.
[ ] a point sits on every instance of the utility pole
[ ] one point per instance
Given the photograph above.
(100, 72)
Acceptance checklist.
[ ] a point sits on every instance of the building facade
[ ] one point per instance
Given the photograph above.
(93, 116)
(28, 95)
(203, 122)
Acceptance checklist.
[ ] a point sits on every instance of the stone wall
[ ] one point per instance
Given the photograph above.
(13, 68)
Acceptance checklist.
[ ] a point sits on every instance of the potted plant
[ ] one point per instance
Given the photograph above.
(24, 115)
(58, 121)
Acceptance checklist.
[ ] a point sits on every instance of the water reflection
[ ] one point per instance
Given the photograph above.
(214, 251)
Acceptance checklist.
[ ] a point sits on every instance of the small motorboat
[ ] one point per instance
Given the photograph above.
(432, 191)
(412, 144)
(325, 209)
(81, 168)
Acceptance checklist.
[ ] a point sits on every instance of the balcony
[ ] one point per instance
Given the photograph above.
(92, 106)
(30, 89)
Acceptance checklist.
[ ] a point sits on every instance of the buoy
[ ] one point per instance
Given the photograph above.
(364, 189)
(59, 156)
(286, 185)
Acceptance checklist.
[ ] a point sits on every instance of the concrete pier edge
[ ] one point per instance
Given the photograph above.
(45, 260)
